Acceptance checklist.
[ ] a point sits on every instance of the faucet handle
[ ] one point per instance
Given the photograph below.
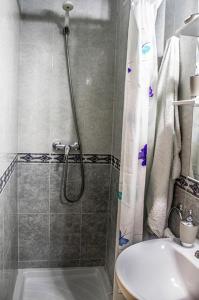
(58, 145)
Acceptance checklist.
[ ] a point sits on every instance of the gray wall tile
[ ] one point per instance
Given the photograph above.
(66, 263)
(33, 264)
(112, 223)
(64, 237)
(92, 262)
(94, 230)
(1, 241)
(68, 222)
(56, 204)
(33, 237)
(10, 205)
(33, 188)
(2, 284)
(96, 196)
(8, 238)
(59, 253)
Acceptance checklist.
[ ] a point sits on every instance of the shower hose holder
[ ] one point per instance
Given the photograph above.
(66, 30)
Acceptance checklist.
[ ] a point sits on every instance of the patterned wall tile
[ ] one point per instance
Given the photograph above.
(189, 185)
(34, 157)
(59, 158)
(115, 162)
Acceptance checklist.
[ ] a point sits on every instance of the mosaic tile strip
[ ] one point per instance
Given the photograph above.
(34, 157)
(189, 185)
(115, 162)
(87, 158)
(193, 188)
(182, 182)
(6, 175)
(73, 158)
(59, 158)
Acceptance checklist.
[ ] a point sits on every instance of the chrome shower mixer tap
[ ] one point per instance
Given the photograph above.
(59, 146)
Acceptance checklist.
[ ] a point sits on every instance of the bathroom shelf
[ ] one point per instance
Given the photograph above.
(191, 27)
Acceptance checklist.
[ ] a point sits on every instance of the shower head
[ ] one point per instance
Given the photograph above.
(67, 6)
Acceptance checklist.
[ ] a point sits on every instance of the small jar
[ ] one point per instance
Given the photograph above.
(188, 231)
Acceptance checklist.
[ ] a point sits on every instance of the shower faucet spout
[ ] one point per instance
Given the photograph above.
(67, 150)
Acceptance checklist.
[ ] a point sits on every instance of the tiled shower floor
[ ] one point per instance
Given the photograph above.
(63, 284)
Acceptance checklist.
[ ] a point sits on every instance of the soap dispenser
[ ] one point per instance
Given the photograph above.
(188, 231)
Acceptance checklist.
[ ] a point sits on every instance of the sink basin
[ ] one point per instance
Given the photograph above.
(159, 269)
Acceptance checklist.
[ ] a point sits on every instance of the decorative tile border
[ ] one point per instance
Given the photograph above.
(34, 157)
(59, 158)
(73, 158)
(189, 185)
(115, 162)
(97, 158)
(6, 175)
(182, 182)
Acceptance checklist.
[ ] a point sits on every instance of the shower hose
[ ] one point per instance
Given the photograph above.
(65, 176)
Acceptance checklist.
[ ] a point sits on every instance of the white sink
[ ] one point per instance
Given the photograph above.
(159, 269)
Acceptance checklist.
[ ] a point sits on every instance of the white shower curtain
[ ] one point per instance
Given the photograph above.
(140, 97)
(140, 93)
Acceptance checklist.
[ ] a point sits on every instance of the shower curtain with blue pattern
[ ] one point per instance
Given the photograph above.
(138, 122)
(138, 119)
